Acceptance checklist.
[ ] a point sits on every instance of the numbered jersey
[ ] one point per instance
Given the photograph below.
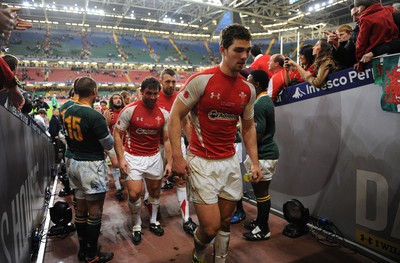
(63, 108)
(85, 127)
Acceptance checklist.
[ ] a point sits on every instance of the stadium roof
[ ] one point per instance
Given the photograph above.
(188, 17)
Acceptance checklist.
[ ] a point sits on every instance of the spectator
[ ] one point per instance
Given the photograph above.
(8, 22)
(260, 61)
(9, 85)
(216, 98)
(344, 33)
(306, 59)
(54, 129)
(40, 120)
(376, 27)
(27, 106)
(345, 55)
(323, 64)
(277, 82)
(55, 124)
(87, 139)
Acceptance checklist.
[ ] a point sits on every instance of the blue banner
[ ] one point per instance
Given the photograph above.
(338, 81)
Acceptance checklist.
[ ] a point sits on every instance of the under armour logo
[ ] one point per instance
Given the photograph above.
(139, 118)
(213, 95)
(298, 93)
(242, 95)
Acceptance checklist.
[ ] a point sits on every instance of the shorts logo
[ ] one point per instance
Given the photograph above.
(146, 131)
(215, 115)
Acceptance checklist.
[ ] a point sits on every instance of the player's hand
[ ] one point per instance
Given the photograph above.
(179, 166)
(168, 170)
(257, 174)
(124, 168)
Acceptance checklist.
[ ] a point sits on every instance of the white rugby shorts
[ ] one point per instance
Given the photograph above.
(211, 179)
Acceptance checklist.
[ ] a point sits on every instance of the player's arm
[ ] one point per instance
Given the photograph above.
(186, 127)
(178, 113)
(168, 153)
(249, 137)
(119, 150)
(107, 142)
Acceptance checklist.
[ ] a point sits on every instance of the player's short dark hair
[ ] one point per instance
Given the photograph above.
(151, 83)
(11, 61)
(85, 86)
(232, 32)
(261, 77)
(74, 86)
(168, 71)
(255, 50)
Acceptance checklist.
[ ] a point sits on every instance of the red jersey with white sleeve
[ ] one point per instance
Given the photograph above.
(165, 102)
(114, 118)
(145, 127)
(216, 102)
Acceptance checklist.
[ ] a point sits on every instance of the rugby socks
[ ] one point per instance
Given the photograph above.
(135, 208)
(92, 236)
(154, 204)
(115, 173)
(199, 247)
(221, 245)
(263, 208)
(183, 203)
(80, 225)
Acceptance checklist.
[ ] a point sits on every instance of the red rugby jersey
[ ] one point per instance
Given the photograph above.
(216, 101)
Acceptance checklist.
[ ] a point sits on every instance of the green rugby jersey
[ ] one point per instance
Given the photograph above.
(264, 117)
(85, 127)
(63, 108)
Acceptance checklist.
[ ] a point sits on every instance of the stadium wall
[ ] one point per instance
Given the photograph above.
(339, 156)
(25, 157)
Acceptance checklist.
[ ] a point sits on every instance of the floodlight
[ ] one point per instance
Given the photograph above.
(297, 216)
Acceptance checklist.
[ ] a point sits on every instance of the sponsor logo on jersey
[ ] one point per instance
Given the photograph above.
(215, 115)
(146, 131)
